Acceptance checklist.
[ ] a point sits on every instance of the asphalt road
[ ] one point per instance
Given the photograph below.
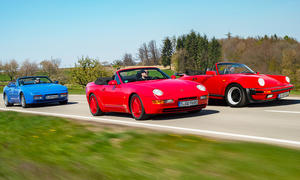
(275, 122)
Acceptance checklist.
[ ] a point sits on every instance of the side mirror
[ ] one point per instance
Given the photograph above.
(179, 74)
(112, 82)
(173, 77)
(55, 82)
(257, 73)
(211, 73)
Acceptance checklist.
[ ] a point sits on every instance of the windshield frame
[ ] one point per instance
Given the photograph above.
(140, 69)
(46, 77)
(237, 64)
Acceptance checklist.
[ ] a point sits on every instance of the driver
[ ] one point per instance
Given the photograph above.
(37, 80)
(230, 70)
(145, 76)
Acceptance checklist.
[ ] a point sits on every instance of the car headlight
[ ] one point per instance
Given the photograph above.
(261, 81)
(157, 92)
(287, 79)
(201, 87)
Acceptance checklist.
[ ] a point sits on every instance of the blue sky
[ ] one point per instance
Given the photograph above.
(103, 29)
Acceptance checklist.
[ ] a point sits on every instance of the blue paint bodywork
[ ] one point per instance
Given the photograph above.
(14, 90)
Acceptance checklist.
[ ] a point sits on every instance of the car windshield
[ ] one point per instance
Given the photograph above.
(234, 68)
(34, 80)
(142, 74)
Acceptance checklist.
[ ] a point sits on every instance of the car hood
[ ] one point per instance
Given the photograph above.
(170, 87)
(270, 80)
(44, 88)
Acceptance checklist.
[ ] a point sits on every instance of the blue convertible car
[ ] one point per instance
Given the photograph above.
(33, 90)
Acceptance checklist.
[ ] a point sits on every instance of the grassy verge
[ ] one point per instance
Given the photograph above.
(37, 147)
(75, 89)
(295, 92)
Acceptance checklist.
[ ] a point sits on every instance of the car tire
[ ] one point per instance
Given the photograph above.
(94, 106)
(6, 103)
(23, 102)
(235, 96)
(63, 102)
(137, 108)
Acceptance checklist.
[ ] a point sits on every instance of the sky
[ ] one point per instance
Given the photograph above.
(106, 29)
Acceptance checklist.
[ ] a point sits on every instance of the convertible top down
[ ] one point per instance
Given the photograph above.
(34, 90)
(144, 91)
(239, 85)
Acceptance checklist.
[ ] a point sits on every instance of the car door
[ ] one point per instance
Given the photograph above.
(114, 96)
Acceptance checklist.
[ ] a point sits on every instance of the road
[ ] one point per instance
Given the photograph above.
(273, 122)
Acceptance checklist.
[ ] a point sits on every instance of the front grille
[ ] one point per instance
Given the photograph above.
(187, 98)
(282, 89)
(183, 109)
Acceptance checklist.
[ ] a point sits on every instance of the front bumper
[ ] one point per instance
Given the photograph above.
(266, 94)
(174, 107)
(45, 100)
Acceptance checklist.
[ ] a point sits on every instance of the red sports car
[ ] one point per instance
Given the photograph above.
(239, 85)
(145, 91)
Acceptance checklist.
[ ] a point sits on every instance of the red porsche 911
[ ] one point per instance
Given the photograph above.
(239, 85)
(143, 92)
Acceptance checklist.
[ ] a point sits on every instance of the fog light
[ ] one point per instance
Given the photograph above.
(203, 97)
(37, 97)
(270, 95)
(169, 101)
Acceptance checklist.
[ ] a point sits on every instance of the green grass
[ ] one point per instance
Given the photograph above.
(295, 92)
(75, 89)
(39, 147)
(168, 72)
(4, 77)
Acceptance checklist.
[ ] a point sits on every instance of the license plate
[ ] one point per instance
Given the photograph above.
(282, 95)
(51, 96)
(187, 103)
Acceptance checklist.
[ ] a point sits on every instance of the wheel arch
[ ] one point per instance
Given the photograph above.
(230, 84)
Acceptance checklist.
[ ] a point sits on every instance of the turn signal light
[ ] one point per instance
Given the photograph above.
(162, 101)
(267, 92)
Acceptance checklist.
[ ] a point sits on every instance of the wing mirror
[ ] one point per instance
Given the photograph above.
(112, 82)
(179, 74)
(55, 82)
(257, 73)
(211, 73)
(173, 77)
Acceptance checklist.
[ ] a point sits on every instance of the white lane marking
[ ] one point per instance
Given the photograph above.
(293, 112)
(165, 127)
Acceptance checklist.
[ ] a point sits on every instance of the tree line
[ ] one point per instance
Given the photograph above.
(47, 67)
(190, 53)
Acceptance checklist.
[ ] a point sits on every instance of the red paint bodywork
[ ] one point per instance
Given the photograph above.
(217, 83)
(116, 98)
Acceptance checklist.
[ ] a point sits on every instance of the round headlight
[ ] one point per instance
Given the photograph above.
(157, 92)
(201, 87)
(287, 79)
(261, 81)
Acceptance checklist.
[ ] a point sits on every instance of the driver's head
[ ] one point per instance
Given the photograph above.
(37, 80)
(144, 73)
(231, 69)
